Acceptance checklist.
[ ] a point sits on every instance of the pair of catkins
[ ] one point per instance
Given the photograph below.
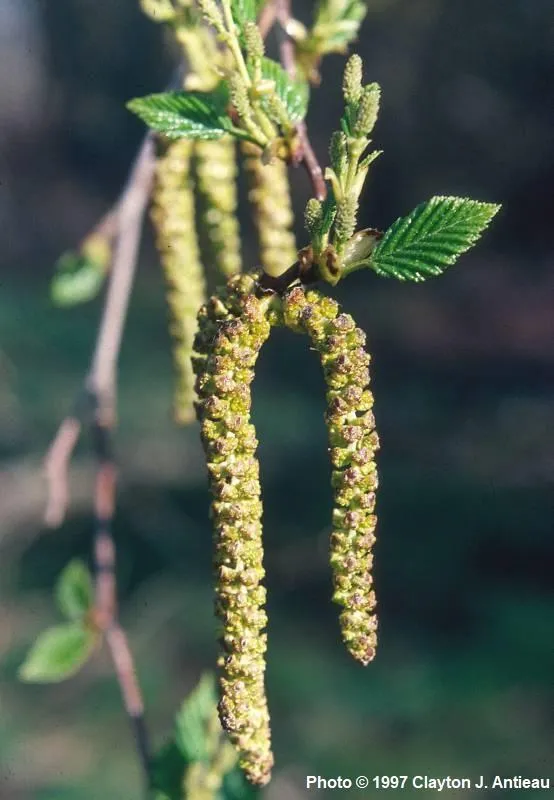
(232, 327)
(220, 345)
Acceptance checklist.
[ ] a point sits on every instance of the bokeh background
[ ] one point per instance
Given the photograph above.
(463, 371)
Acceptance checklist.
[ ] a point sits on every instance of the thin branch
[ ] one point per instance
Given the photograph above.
(305, 153)
(132, 206)
(95, 408)
(106, 611)
(266, 19)
(128, 215)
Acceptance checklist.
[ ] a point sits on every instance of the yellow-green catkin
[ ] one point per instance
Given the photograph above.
(173, 216)
(216, 172)
(233, 326)
(269, 194)
(353, 442)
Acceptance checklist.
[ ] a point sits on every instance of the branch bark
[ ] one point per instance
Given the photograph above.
(305, 153)
(95, 408)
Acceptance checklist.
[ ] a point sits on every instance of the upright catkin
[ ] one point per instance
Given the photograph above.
(233, 326)
(353, 442)
(269, 194)
(216, 174)
(173, 217)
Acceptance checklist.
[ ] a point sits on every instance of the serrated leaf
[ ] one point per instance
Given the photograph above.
(78, 279)
(194, 720)
(74, 590)
(294, 94)
(431, 238)
(185, 115)
(58, 653)
(245, 11)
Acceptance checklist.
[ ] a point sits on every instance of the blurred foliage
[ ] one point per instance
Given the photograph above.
(464, 383)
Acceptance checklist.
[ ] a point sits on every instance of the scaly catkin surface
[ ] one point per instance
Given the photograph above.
(353, 442)
(232, 328)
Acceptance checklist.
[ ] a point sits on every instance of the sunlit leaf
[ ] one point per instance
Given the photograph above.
(58, 653)
(74, 590)
(431, 238)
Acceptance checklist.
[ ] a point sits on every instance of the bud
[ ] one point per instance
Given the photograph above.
(313, 216)
(345, 221)
(239, 96)
(368, 110)
(352, 80)
(253, 41)
(338, 153)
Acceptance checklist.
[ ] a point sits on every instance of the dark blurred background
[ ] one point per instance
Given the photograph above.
(463, 374)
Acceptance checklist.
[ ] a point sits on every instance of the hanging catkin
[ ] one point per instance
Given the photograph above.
(174, 220)
(232, 328)
(270, 197)
(353, 442)
(216, 172)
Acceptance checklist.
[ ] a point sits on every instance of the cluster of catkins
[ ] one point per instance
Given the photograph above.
(233, 326)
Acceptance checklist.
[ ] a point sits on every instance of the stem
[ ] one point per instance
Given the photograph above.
(305, 154)
(233, 43)
(95, 405)
(101, 377)
(106, 615)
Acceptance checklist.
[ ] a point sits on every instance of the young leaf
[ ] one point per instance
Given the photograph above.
(185, 115)
(77, 280)
(294, 94)
(245, 11)
(236, 787)
(431, 238)
(58, 653)
(74, 592)
(193, 720)
(167, 771)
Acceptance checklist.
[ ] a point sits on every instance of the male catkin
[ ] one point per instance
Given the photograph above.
(353, 442)
(174, 221)
(270, 197)
(232, 328)
(216, 174)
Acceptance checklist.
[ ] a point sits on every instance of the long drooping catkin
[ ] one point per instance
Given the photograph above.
(270, 197)
(174, 220)
(353, 442)
(232, 328)
(216, 173)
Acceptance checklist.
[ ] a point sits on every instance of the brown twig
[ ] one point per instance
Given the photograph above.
(266, 19)
(305, 153)
(106, 612)
(95, 408)
(100, 381)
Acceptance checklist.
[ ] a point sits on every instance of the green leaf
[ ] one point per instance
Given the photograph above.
(185, 115)
(236, 787)
(245, 11)
(194, 720)
(431, 237)
(294, 94)
(79, 276)
(74, 590)
(167, 771)
(58, 653)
